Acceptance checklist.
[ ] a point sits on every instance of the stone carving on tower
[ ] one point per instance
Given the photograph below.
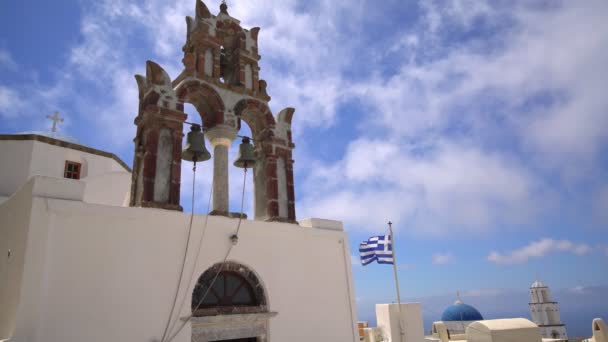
(221, 80)
(545, 312)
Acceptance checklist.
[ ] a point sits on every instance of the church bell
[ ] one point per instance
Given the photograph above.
(246, 157)
(195, 150)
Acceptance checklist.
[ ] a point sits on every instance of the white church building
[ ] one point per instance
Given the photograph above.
(90, 251)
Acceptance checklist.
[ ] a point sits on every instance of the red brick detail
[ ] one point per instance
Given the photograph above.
(189, 61)
(271, 170)
(241, 74)
(291, 196)
(149, 171)
(151, 99)
(272, 189)
(194, 92)
(174, 194)
(289, 115)
(256, 81)
(272, 209)
(254, 33)
(216, 63)
(291, 211)
(149, 124)
(256, 114)
(268, 149)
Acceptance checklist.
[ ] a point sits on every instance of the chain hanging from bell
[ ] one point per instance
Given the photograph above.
(195, 150)
(246, 156)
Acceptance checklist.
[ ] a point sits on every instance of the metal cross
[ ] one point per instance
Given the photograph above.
(55, 119)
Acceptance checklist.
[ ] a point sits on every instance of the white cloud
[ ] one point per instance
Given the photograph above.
(538, 249)
(7, 61)
(403, 161)
(578, 290)
(10, 102)
(443, 258)
(448, 185)
(526, 103)
(550, 52)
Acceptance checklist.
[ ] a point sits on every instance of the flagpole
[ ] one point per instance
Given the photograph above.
(390, 227)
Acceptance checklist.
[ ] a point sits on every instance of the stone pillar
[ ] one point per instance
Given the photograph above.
(156, 179)
(272, 189)
(221, 137)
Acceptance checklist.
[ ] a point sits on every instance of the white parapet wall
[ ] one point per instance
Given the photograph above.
(503, 330)
(388, 317)
(87, 272)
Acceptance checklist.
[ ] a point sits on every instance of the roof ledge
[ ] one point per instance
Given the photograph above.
(322, 224)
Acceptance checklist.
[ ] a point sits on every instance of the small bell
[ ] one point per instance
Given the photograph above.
(246, 157)
(195, 150)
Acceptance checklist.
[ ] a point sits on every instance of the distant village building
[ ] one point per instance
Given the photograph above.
(545, 312)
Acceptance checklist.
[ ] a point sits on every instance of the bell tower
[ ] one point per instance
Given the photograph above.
(221, 80)
(545, 312)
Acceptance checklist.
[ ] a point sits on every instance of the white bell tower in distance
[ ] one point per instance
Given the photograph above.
(545, 312)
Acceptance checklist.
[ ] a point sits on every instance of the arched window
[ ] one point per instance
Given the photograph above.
(235, 290)
(229, 289)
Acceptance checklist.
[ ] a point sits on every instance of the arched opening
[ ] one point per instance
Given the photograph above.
(236, 175)
(229, 304)
(226, 293)
(228, 289)
(260, 120)
(205, 99)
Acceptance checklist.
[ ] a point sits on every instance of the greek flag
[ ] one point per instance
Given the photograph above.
(377, 248)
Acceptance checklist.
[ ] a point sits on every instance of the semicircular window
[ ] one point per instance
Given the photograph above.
(229, 291)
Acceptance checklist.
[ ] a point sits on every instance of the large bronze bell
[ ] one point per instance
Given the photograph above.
(246, 157)
(195, 150)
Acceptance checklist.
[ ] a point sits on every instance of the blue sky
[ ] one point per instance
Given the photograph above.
(477, 127)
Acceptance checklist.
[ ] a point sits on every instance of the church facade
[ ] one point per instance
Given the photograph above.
(88, 256)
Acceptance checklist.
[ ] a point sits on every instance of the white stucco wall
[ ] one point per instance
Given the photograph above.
(22, 159)
(457, 326)
(99, 273)
(387, 317)
(503, 330)
(15, 157)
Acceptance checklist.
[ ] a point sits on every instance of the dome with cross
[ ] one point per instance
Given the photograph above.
(460, 311)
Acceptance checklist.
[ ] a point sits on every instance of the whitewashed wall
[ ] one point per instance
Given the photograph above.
(22, 159)
(100, 273)
(388, 316)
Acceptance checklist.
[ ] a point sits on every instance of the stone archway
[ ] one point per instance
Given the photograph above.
(229, 303)
(205, 99)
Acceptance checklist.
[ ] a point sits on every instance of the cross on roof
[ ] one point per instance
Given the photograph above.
(55, 119)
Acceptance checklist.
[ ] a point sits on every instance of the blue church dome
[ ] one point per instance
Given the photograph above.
(460, 312)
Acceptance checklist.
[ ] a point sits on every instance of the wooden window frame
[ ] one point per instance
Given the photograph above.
(71, 174)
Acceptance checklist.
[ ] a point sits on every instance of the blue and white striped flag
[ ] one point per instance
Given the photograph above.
(377, 248)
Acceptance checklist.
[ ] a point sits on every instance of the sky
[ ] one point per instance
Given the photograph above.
(479, 128)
